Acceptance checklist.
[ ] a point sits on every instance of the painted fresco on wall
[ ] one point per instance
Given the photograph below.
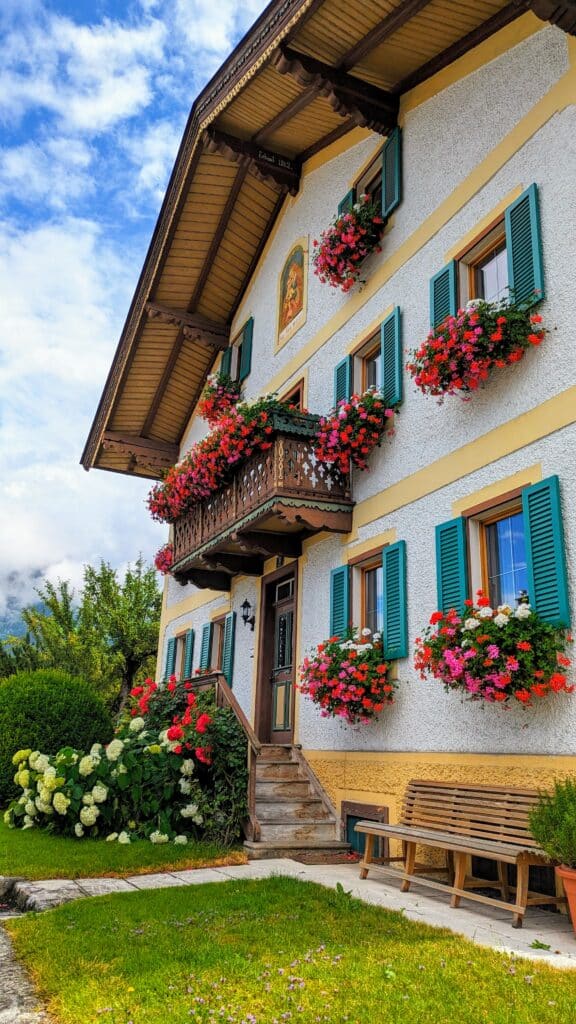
(292, 292)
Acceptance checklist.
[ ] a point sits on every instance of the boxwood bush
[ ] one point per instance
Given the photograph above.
(46, 710)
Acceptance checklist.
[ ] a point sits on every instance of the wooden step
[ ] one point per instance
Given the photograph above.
(276, 770)
(299, 788)
(303, 831)
(275, 752)
(310, 852)
(285, 809)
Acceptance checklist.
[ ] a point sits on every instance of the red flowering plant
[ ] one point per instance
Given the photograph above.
(220, 395)
(348, 435)
(497, 655)
(458, 355)
(348, 678)
(164, 558)
(210, 463)
(350, 239)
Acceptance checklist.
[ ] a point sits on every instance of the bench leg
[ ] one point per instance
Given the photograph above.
(460, 864)
(368, 854)
(523, 870)
(409, 862)
(503, 880)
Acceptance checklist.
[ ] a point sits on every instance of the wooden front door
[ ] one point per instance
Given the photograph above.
(277, 669)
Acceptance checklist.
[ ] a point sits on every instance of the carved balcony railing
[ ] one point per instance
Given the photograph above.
(274, 500)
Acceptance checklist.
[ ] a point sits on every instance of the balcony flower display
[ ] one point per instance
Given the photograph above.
(219, 396)
(458, 355)
(348, 678)
(350, 239)
(211, 462)
(348, 435)
(497, 655)
(164, 559)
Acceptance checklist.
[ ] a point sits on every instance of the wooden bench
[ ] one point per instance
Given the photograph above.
(465, 821)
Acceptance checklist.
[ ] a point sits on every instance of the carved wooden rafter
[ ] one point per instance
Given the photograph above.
(314, 518)
(204, 579)
(195, 327)
(268, 544)
(561, 14)
(273, 168)
(142, 451)
(368, 106)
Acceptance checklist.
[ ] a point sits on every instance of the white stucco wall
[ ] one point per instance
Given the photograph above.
(444, 139)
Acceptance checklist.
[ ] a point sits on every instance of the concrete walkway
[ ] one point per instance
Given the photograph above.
(486, 926)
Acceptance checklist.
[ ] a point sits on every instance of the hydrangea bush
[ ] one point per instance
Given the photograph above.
(458, 355)
(348, 678)
(496, 655)
(175, 769)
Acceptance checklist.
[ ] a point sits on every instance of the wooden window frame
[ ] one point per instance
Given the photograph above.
(360, 355)
(502, 513)
(360, 565)
(180, 639)
(370, 176)
(469, 260)
(288, 395)
(217, 648)
(482, 515)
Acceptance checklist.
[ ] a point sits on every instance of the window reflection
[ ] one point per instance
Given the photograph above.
(506, 558)
(374, 599)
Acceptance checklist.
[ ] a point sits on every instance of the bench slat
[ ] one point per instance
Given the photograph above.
(447, 841)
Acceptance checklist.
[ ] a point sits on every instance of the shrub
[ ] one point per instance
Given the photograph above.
(46, 710)
(553, 823)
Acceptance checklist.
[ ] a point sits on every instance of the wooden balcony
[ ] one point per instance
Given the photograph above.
(273, 501)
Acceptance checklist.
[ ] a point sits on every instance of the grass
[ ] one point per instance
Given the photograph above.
(272, 951)
(34, 854)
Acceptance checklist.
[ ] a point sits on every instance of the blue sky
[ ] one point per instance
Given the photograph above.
(93, 101)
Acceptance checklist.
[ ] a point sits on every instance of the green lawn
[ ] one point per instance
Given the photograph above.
(35, 854)
(272, 951)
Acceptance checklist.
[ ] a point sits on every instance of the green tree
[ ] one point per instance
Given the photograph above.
(109, 636)
(18, 654)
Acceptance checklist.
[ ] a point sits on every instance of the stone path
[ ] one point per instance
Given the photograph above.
(18, 1001)
(486, 926)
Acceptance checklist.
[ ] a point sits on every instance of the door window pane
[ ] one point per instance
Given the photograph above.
(373, 599)
(492, 276)
(507, 569)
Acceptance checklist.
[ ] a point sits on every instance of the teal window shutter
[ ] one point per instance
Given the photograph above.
(170, 658)
(339, 600)
(391, 349)
(206, 646)
(246, 353)
(226, 363)
(392, 172)
(443, 294)
(343, 380)
(395, 635)
(524, 248)
(547, 577)
(228, 647)
(188, 653)
(452, 565)
(346, 204)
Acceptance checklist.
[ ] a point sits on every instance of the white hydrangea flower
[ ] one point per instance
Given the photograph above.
(112, 837)
(28, 822)
(43, 806)
(189, 811)
(485, 613)
(158, 838)
(88, 815)
(180, 840)
(45, 795)
(30, 808)
(114, 750)
(185, 786)
(187, 767)
(523, 611)
(39, 762)
(88, 799)
(137, 724)
(122, 769)
(61, 803)
(50, 778)
(99, 793)
(471, 623)
(8, 819)
(22, 778)
(123, 838)
(96, 750)
(78, 830)
(501, 620)
(87, 764)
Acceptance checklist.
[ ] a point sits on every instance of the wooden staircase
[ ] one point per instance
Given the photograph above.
(292, 814)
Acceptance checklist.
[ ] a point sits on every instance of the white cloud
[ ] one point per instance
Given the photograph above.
(54, 172)
(153, 154)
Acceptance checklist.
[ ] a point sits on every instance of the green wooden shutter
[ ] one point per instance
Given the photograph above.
(524, 248)
(188, 653)
(391, 354)
(206, 646)
(170, 658)
(547, 577)
(228, 647)
(339, 600)
(246, 354)
(343, 380)
(395, 635)
(226, 363)
(346, 204)
(443, 294)
(392, 172)
(452, 565)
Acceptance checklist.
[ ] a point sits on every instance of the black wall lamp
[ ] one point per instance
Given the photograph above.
(247, 619)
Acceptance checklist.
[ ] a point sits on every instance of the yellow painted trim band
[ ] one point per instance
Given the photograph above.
(523, 478)
(470, 237)
(563, 762)
(369, 330)
(379, 541)
(545, 419)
